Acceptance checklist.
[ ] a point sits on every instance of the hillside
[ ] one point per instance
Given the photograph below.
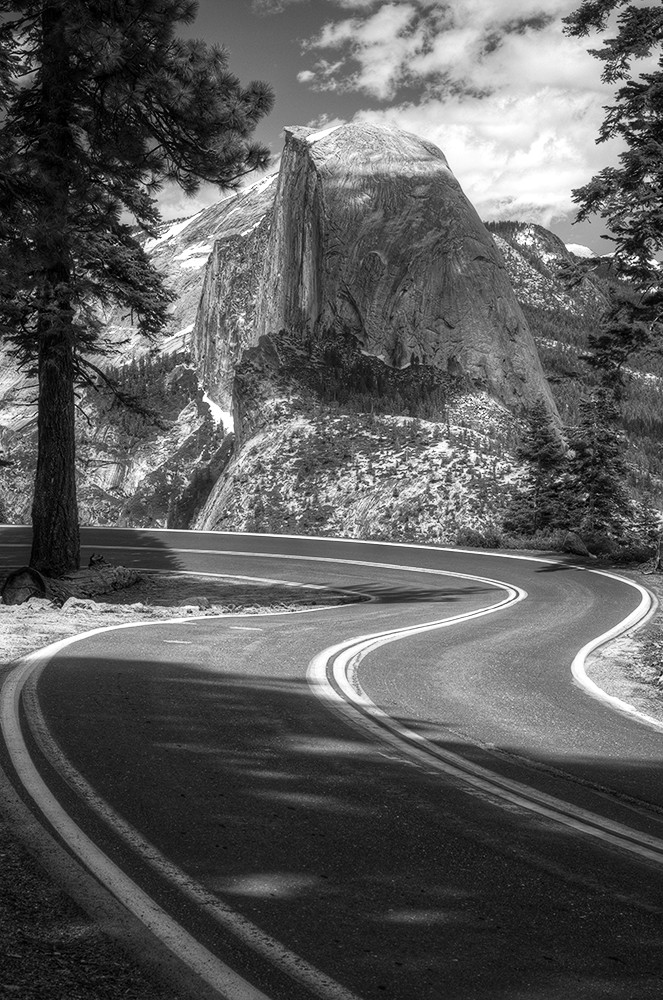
(562, 296)
(376, 374)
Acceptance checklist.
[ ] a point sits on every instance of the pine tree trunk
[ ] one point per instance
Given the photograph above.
(55, 532)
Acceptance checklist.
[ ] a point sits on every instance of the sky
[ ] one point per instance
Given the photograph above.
(513, 103)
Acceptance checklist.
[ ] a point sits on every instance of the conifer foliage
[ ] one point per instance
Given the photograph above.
(542, 452)
(630, 196)
(100, 103)
(597, 467)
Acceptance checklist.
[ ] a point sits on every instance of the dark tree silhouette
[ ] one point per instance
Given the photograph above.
(543, 452)
(100, 103)
(629, 197)
(597, 468)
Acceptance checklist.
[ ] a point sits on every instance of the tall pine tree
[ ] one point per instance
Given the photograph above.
(100, 103)
(629, 196)
(541, 505)
(597, 467)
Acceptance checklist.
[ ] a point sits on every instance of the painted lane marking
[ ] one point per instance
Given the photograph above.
(229, 985)
(29, 669)
(398, 742)
(177, 642)
(641, 615)
(578, 667)
(332, 676)
(228, 576)
(244, 628)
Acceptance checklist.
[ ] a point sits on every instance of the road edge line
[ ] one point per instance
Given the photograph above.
(637, 619)
(342, 660)
(206, 966)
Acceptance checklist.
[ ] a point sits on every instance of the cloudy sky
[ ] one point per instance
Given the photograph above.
(514, 104)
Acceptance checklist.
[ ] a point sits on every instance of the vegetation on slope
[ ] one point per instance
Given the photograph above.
(151, 464)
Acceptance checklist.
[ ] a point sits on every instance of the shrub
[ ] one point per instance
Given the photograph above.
(470, 537)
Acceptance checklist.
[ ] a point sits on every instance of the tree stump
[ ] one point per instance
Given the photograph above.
(97, 579)
(23, 584)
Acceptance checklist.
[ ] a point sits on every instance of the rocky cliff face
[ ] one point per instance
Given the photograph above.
(371, 234)
(225, 317)
(181, 251)
(542, 271)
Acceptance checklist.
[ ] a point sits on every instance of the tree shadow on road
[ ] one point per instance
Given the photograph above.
(390, 878)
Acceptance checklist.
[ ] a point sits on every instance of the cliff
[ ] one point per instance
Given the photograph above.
(225, 315)
(370, 234)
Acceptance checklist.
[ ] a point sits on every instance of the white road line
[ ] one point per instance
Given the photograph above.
(199, 960)
(578, 667)
(356, 708)
(229, 985)
(322, 986)
(636, 619)
(346, 696)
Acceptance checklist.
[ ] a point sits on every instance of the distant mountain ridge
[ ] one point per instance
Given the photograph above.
(376, 366)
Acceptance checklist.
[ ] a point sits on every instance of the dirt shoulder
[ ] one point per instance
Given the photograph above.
(51, 947)
(631, 667)
(155, 597)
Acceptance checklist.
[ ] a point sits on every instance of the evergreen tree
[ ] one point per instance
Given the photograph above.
(100, 103)
(622, 330)
(629, 197)
(542, 451)
(597, 468)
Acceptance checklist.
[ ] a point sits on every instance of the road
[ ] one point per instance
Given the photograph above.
(472, 825)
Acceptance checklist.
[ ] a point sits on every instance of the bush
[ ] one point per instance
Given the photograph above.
(552, 540)
(471, 538)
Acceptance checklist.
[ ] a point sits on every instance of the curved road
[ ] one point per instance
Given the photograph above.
(439, 814)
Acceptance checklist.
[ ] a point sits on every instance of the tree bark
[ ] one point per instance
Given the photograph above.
(55, 532)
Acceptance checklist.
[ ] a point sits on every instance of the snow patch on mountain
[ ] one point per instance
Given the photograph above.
(176, 342)
(579, 250)
(315, 136)
(194, 263)
(220, 417)
(174, 230)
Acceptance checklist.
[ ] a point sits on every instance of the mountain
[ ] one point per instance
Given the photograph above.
(369, 236)
(371, 343)
(563, 294)
(579, 250)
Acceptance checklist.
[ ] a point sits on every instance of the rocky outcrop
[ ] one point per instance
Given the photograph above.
(544, 274)
(181, 251)
(225, 318)
(370, 233)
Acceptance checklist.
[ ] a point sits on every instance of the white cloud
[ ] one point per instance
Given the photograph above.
(174, 204)
(514, 104)
(516, 156)
(464, 41)
(382, 44)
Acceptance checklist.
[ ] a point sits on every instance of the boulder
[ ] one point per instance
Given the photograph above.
(574, 544)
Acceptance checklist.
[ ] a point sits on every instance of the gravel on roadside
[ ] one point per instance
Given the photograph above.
(631, 667)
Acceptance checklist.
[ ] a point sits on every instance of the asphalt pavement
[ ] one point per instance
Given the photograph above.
(317, 860)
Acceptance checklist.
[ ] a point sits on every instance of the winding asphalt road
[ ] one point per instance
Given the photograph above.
(408, 797)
